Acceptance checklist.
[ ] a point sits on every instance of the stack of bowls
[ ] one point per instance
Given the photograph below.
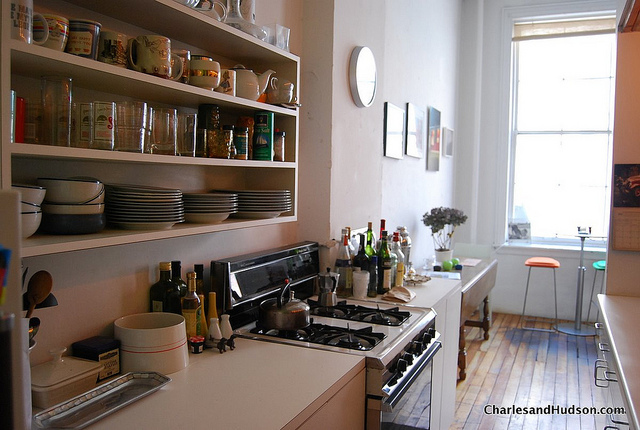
(31, 197)
(72, 205)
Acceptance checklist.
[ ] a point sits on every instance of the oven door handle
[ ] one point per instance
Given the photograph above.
(396, 395)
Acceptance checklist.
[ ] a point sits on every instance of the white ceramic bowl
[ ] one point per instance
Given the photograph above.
(73, 190)
(29, 207)
(61, 209)
(152, 342)
(30, 193)
(30, 222)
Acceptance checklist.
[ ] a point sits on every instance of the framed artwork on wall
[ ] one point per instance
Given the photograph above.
(447, 142)
(393, 131)
(416, 130)
(434, 140)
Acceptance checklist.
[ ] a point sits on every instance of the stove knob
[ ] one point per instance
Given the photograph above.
(426, 338)
(432, 332)
(417, 347)
(408, 357)
(401, 366)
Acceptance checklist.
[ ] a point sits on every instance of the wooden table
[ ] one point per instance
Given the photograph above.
(477, 282)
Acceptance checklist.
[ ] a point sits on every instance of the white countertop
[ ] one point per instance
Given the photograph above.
(259, 385)
(621, 317)
(428, 294)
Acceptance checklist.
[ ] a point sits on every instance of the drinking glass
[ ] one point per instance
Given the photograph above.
(56, 94)
(131, 124)
(187, 134)
(164, 123)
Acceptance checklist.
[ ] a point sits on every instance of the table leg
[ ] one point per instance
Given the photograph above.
(486, 318)
(462, 356)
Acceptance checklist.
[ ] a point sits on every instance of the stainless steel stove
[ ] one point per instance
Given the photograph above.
(398, 342)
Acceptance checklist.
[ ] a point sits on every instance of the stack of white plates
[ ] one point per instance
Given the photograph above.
(209, 208)
(139, 207)
(262, 203)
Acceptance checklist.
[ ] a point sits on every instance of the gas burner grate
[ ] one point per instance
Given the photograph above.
(363, 339)
(343, 310)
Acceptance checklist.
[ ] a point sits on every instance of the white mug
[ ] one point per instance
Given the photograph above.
(204, 72)
(227, 82)
(22, 16)
(152, 54)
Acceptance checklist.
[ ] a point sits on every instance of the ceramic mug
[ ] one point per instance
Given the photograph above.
(278, 93)
(54, 30)
(152, 54)
(22, 17)
(204, 72)
(227, 82)
(113, 48)
(84, 36)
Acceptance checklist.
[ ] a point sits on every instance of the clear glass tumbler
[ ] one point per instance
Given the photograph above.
(57, 97)
(164, 124)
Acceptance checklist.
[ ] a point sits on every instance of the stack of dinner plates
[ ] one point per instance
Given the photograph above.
(261, 203)
(139, 207)
(209, 208)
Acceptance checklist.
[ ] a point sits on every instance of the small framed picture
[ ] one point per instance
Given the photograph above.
(434, 142)
(416, 130)
(393, 131)
(447, 142)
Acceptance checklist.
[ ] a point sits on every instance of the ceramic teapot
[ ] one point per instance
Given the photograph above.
(248, 84)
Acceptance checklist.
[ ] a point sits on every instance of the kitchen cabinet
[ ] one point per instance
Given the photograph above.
(629, 19)
(22, 65)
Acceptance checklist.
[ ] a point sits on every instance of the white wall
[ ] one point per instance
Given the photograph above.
(416, 50)
(482, 154)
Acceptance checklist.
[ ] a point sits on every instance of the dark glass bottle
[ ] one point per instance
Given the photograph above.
(192, 308)
(384, 265)
(372, 291)
(383, 223)
(344, 267)
(164, 295)
(176, 276)
(361, 259)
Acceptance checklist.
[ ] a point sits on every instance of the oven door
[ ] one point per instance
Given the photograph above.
(409, 402)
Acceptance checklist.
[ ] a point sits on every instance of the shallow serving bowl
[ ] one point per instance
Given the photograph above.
(72, 224)
(79, 209)
(30, 222)
(73, 190)
(152, 342)
(30, 193)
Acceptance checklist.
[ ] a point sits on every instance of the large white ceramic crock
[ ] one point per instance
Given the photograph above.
(152, 342)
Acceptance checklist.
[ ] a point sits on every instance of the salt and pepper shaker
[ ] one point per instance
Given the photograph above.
(225, 326)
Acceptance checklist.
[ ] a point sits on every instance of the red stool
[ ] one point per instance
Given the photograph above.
(544, 263)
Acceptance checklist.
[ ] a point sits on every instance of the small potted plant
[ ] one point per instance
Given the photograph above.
(443, 222)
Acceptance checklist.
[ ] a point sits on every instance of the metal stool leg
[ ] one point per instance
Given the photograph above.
(593, 288)
(555, 298)
(524, 306)
(526, 292)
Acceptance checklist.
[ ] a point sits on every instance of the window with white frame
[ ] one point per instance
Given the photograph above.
(561, 128)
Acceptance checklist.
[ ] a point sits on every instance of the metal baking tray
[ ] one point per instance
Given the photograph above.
(89, 407)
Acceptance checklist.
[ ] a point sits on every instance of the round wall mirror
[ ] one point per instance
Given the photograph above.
(362, 76)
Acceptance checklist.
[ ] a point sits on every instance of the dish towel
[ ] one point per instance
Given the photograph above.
(399, 295)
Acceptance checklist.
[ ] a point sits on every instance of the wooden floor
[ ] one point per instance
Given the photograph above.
(527, 369)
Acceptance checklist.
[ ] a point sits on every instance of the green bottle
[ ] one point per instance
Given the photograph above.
(384, 265)
(164, 295)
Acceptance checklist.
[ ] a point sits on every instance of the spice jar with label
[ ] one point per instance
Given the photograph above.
(278, 145)
(240, 141)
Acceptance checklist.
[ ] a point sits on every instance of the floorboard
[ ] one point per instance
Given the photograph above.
(528, 369)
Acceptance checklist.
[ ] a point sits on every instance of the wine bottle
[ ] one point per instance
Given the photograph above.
(382, 228)
(353, 247)
(372, 291)
(176, 276)
(192, 308)
(344, 268)
(400, 267)
(384, 265)
(361, 259)
(164, 295)
(369, 250)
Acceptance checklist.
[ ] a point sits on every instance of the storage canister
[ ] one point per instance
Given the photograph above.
(102, 349)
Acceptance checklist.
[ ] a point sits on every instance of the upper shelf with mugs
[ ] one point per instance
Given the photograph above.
(177, 21)
(34, 61)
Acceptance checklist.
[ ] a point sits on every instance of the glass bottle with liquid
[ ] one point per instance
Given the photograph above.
(369, 249)
(176, 276)
(382, 228)
(384, 265)
(164, 295)
(192, 308)
(344, 267)
(372, 291)
(400, 266)
(361, 259)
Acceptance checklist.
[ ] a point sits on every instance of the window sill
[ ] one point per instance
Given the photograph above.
(551, 249)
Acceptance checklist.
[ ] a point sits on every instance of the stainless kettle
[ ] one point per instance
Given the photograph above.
(277, 314)
(327, 283)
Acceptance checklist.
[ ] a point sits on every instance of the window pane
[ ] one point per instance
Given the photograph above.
(562, 133)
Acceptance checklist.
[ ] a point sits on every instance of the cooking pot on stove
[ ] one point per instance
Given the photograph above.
(278, 314)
